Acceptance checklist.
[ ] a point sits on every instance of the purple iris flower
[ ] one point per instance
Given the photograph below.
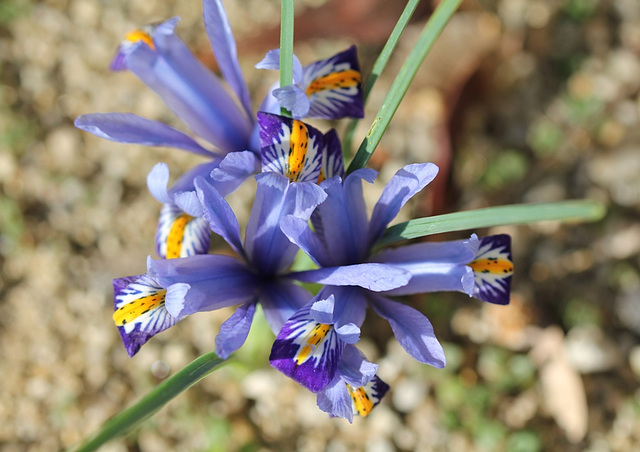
(175, 288)
(343, 235)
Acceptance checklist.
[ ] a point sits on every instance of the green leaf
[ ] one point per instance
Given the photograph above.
(427, 38)
(166, 391)
(380, 64)
(580, 210)
(286, 46)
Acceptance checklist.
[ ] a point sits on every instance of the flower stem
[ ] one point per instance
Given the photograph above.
(578, 210)
(126, 420)
(286, 46)
(427, 38)
(379, 65)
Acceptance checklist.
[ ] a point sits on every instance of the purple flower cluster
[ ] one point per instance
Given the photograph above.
(303, 201)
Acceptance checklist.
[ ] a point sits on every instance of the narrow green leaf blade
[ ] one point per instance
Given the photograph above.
(286, 45)
(398, 89)
(130, 418)
(579, 210)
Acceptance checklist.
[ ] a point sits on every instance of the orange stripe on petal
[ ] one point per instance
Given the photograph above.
(362, 404)
(313, 339)
(136, 308)
(299, 144)
(140, 35)
(176, 236)
(334, 80)
(492, 265)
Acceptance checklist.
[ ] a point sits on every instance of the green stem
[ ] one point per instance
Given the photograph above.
(380, 64)
(126, 420)
(286, 46)
(427, 38)
(580, 210)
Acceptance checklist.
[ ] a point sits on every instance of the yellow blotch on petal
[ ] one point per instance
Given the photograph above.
(175, 238)
(361, 400)
(131, 311)
(334, 80)
(299, 144)
(492, 265)
(140, 35)
(311, 342)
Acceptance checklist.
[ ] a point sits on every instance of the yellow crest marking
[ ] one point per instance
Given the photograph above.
(492, 265)
(140, 35)
(299, 144)
(334, 80)
(131, 311)
(315, 337)
(176, 235)
(361, 400)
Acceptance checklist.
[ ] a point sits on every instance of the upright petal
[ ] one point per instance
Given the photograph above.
(306, 350)
(234, 331)
(434, 266)
(298, 231)
(334, 86)
(290, 147)
(215, 282)
(412, 329)
(280, 299)
(403, 185)
(493, 269)
(293, 99)
(350, 304)
(140, 312)
(332, 159)
(190, 90)
(268, 249)
(223, 43)
(130, 128)
(143, 34)
(218, 213)
(234, 169)
(271, 61)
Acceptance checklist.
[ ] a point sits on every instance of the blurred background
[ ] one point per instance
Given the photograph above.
(520, 101)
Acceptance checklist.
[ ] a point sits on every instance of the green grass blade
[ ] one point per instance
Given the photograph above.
(427, 38)
(380, 64)
(128, 419)
(580, 210)
(286, 45)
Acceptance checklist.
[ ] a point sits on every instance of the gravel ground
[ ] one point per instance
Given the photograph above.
(520, 101)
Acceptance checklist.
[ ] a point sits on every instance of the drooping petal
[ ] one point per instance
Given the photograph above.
(223, 43)
(234, 169)
(218, 213)
(180, 235)
(332, 159)
(334, 86)
(412, 329)
(130, 128)
(336, 400)
(307, 351)
(271, 61)
(215, 281)
(375, 277)
(234, 331)
(190, 90)
(290, 147)
(354, 367)
(140, 312)
(281, 299)
(293, 99)
(365, 398)
(493, 269)
(186, 181)
(403, 185)
(269, 250)
(434, 266)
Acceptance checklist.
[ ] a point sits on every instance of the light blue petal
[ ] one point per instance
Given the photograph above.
(191, 91)
(234, 169)
(219, 214)
(130, 128)
(280, 300)
(293, 99)
(157, 181)
(336, 400)
(322, 310)
(403, 185)
(298, 232)
(271, 61)
(413, 330)
(223, 43)
(373, 276)
(349, 333)
(234, 331)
